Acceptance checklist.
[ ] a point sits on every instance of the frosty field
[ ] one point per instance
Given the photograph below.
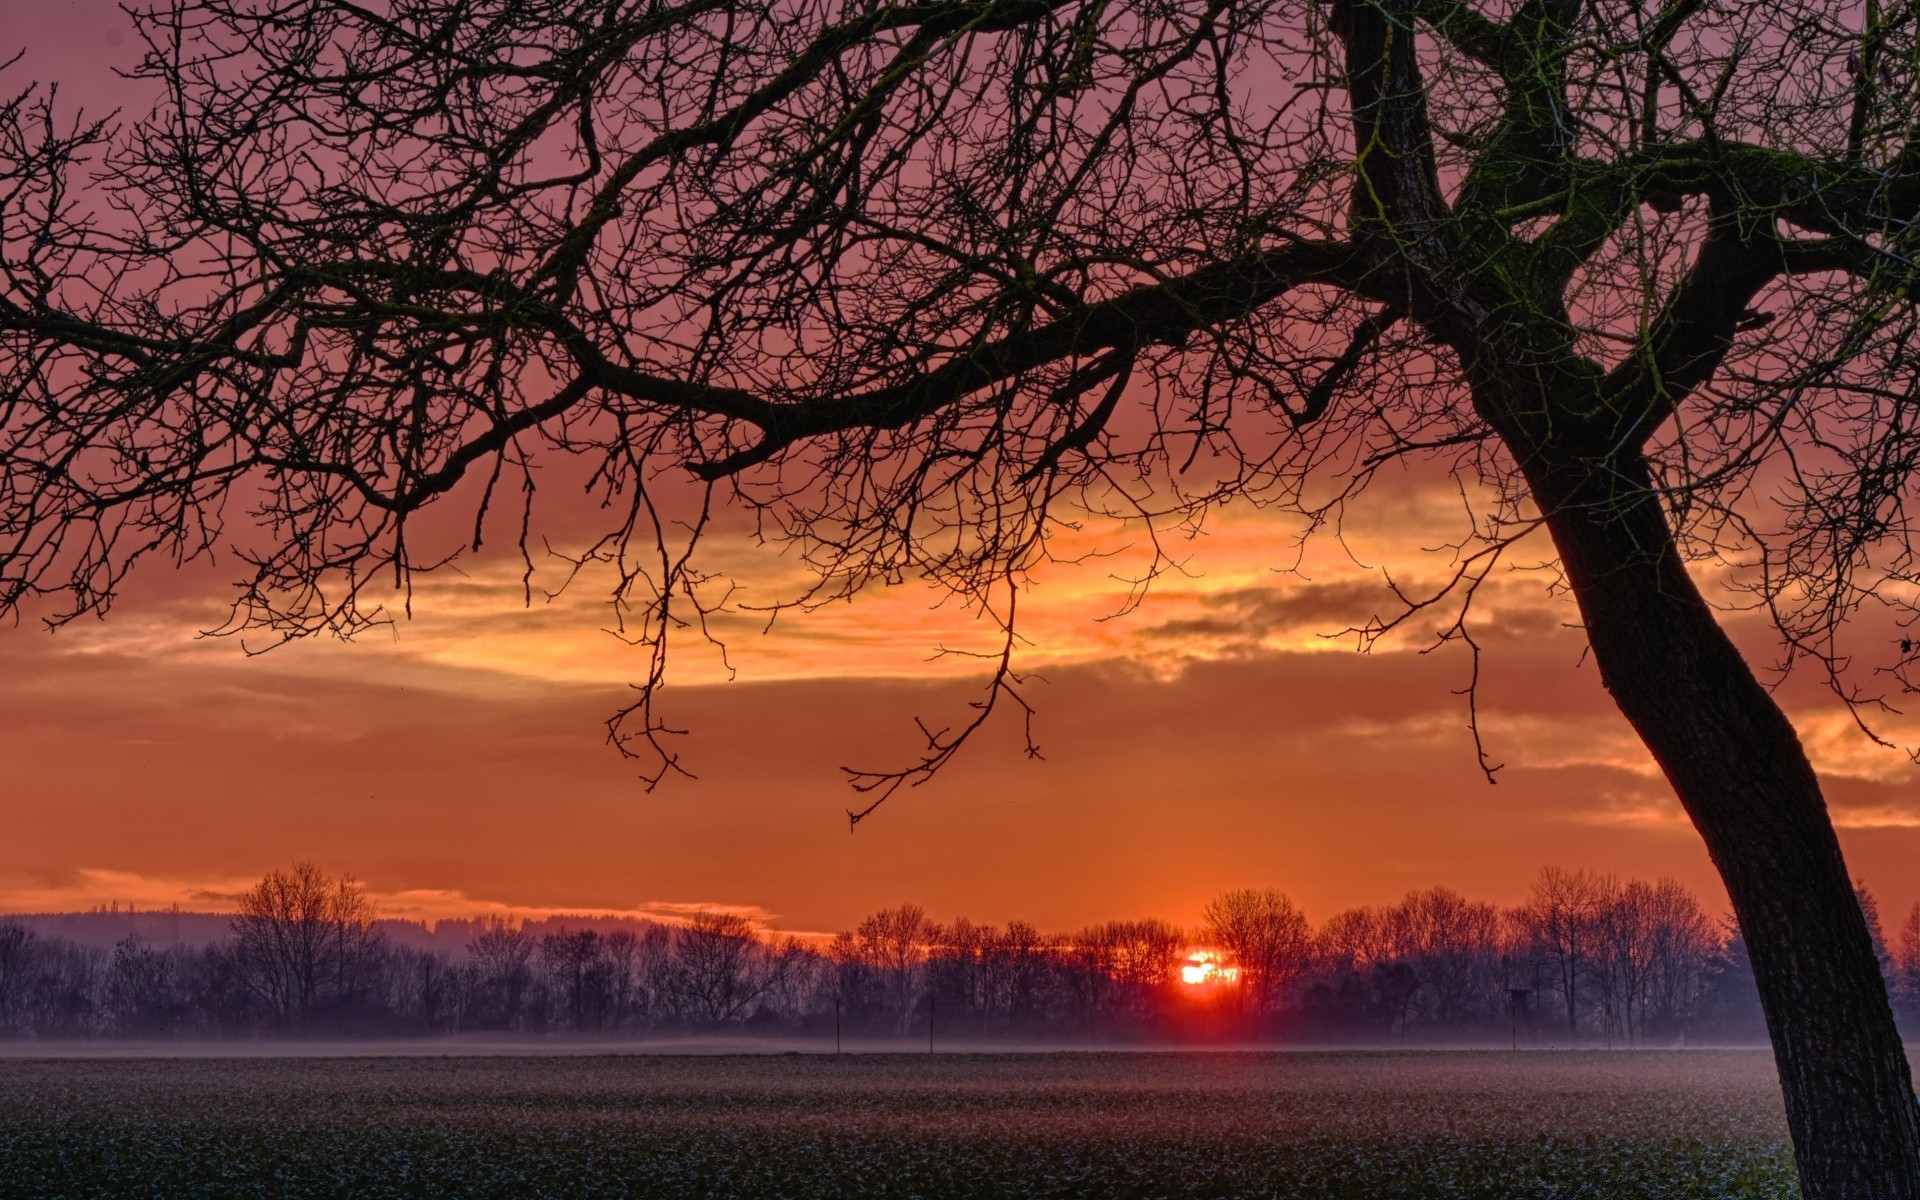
(1308, 1124)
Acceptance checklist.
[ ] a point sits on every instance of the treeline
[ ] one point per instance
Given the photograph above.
(1588, 959)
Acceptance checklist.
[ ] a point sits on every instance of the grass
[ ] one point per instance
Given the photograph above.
(1373, 1125)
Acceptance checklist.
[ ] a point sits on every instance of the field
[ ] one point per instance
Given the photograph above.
(1334, 1124)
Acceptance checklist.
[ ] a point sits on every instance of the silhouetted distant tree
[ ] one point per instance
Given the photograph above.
(960, 973)
(1345, 949)
(1412, 968)
(720, 970)
(796, 978)
(883, 962)
(578, 974)
(636, 962)
(1451, 945)
(1369, 952)
(1089, 976)
(1681, 941)
(1145, 956)
(140, 982)
(1876, 933)
(215, 979)
(1646, 939)
(1730, 997)
(1906, 968)
(304, 943)
(64, 993)
(422, 986)
(500, 962)
(1019, 966)
(1561, 921)
(16, 942)
(1267, 938)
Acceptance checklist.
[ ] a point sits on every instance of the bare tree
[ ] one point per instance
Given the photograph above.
(720, 968)
(636, 962)
(1561, 922)
(1349, 940)
(139, 1000)
(500, 958)
(1682, 942)
(890, 948)
(1423, 960)
(1906, 965)
(577, 970)
(1382, 961)
(1623, 933)
(959, 972)
(1452, 946)
(1347, 949)
(63, 990)
(223, 1003)
(16, 956)
(422, 989)
(1267, 938)
(1018, 963)
(304, 942)
(796, 976)
(914, 281)
(1876, 933)
(1089, 966)
(1146, 962)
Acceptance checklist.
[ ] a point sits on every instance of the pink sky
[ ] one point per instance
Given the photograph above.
(1213, 739)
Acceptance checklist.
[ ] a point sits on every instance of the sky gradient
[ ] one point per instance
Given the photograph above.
(1215, 737)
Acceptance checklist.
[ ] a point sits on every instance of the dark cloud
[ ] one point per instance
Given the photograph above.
(1253, 614)
(1244, 620)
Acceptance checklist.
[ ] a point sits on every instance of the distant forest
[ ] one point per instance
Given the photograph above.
(1588, 959)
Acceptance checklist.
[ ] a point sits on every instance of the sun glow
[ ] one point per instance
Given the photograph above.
(1204, 967)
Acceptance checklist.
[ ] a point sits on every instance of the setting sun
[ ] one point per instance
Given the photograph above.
(1204, 967)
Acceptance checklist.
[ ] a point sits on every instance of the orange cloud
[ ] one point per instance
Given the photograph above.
(1214, 735)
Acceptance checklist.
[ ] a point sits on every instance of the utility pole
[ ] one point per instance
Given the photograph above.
(836, 1024)
(929, 1023)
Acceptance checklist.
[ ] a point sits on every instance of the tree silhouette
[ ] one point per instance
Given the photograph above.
(908, 283)
(303, 941)
(1267, 938)
(720, 966)
(1450, 942)
(1562, 920)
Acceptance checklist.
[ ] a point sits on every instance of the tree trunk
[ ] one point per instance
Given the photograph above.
(1737, 767)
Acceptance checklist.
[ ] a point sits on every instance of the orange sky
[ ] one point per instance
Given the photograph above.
(1212, 739)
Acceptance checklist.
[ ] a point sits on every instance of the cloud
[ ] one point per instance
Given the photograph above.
(1882, 817)
(429, 904)
(80, 888)
(1303, 614)
(1344, 778)
(1244, 620)
(458, 764)
(83, 888)
(1641, 811)
(218, 901)
(1838, 746)
(676, 912)
(1224, 599)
